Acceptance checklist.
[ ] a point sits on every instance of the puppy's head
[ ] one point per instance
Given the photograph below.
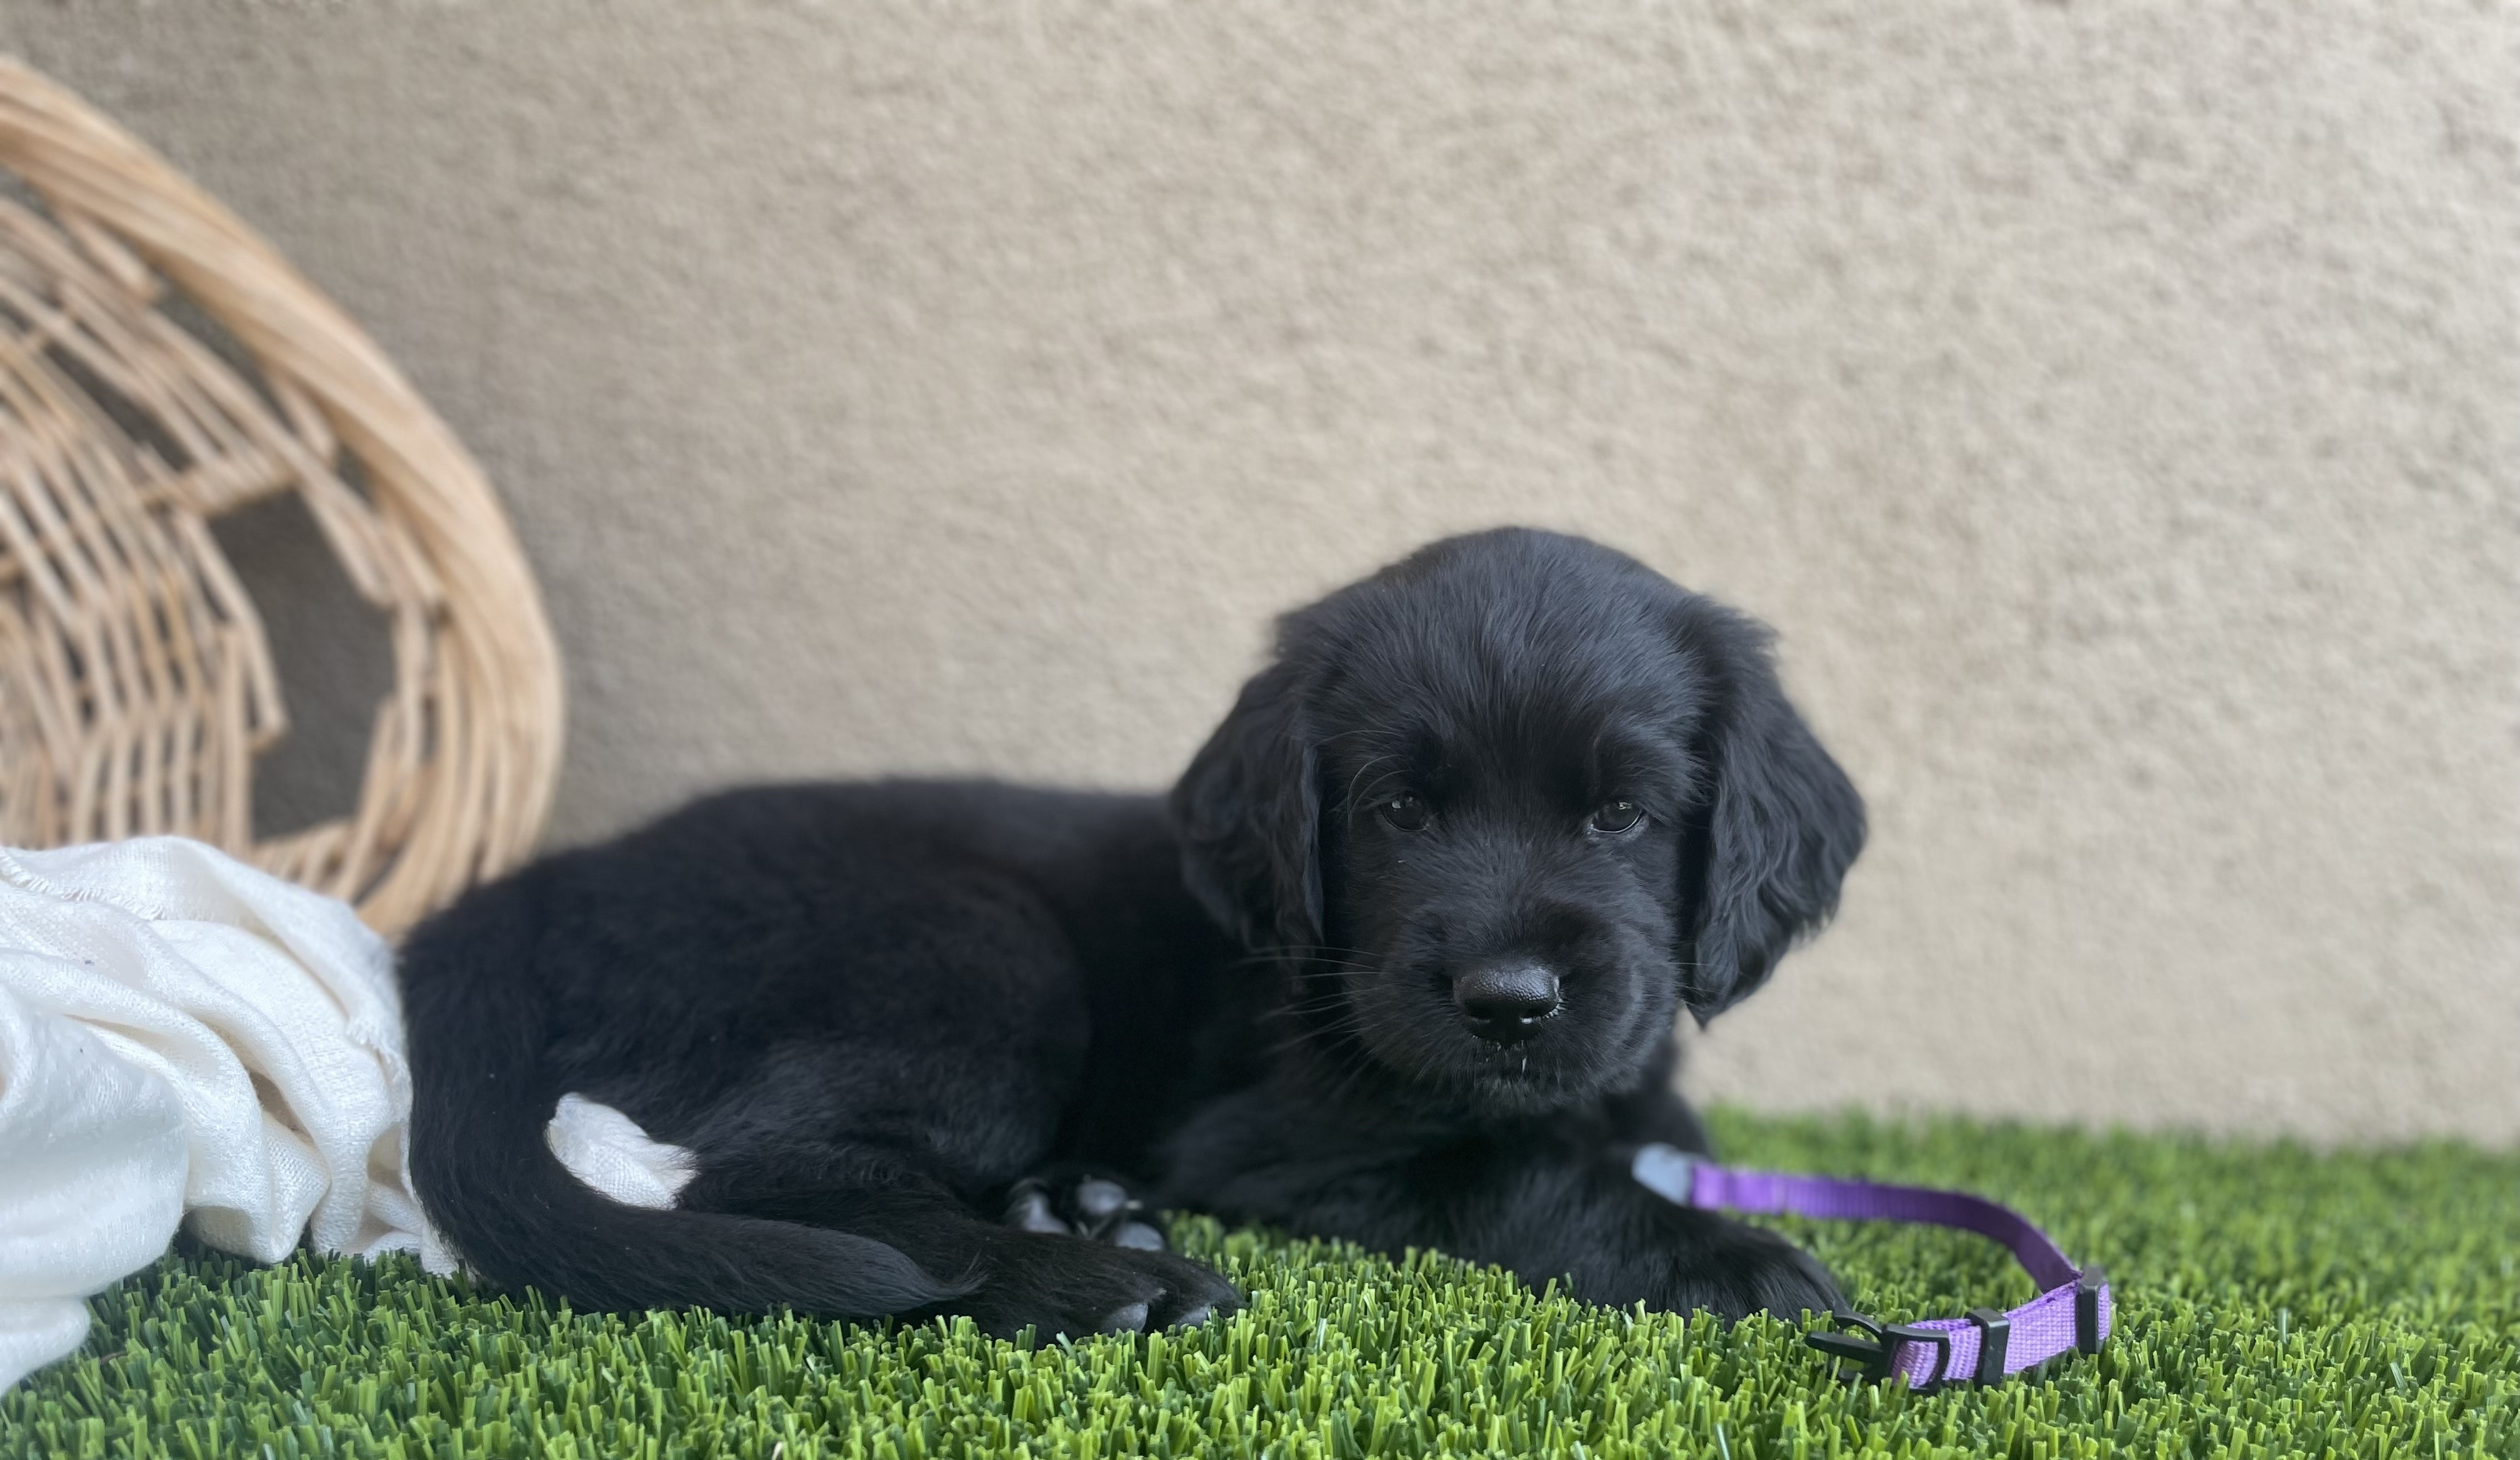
(1505, 807)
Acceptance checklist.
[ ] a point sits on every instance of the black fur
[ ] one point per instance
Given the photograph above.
(1389, 965)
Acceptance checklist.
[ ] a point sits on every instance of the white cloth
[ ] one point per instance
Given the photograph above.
(183, 1038)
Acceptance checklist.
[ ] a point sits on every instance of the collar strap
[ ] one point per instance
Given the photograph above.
(2072, 1313)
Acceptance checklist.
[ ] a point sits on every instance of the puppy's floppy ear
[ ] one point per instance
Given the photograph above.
(1248, 812)
(1780, 827)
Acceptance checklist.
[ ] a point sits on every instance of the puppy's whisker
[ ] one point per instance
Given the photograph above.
(1359, 1067)
(1340, 1016)
(1332, 1039)
(1303, 950)
(1335, 1041)
(1332, 1033)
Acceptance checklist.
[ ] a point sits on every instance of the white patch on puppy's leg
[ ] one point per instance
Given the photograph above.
(608, 1152)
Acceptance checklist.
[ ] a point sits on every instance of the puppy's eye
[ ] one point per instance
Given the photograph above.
(1617, 817)
(1404, 811)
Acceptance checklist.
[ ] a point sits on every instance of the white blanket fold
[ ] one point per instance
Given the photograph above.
(183, 1038)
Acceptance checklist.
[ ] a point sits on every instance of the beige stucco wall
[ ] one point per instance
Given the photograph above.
(2116, 407)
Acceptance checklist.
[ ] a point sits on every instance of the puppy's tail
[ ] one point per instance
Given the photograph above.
(481, 1096)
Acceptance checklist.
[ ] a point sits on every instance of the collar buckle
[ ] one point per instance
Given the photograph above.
(1875, 1349)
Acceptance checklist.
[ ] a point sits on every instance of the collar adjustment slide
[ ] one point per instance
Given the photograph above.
(1994, 1341)
(2086, 1308)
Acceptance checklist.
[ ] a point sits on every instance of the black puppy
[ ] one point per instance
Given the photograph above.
(1399, 962)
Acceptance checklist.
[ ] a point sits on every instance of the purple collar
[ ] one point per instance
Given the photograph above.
(2071, 1315)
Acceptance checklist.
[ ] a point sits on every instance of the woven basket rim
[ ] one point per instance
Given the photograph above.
(495, 720)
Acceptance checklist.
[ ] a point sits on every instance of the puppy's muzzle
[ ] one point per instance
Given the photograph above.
(1505, 1002)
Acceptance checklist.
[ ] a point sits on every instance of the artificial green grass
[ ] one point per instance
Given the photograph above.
(2270, 1300)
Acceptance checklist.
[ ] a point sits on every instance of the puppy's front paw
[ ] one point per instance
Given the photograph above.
(1743, 1270)
(1058, 1283)
(1082, 1204)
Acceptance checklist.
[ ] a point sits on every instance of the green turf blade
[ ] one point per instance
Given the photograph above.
(2270, 1300)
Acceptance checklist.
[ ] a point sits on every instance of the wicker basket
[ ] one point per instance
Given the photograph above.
(136, 685)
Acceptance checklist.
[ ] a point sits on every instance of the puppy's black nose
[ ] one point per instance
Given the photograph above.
(1507, 1001)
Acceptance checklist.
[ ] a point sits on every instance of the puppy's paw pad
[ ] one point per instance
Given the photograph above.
(1066, 1284)
(1127, 1318)
(1097, 1197)
(1194, 1293)
(1028, 1210)
(1083, 1204)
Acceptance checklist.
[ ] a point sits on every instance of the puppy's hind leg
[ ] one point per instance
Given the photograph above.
(1050, 1282)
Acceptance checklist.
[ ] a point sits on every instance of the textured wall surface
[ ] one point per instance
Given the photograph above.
(2116, 408)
